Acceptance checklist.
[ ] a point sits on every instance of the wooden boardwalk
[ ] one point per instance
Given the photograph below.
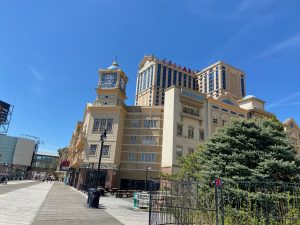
(64, 206)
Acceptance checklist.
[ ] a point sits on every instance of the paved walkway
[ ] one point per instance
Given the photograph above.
(13, 182)
(15, 186)
(20, 206)
(122, 210)
(44, 204)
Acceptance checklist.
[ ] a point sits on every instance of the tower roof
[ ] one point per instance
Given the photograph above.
(114, 66)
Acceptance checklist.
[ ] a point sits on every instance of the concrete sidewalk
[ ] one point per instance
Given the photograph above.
(122, 210)
(13, 187)
(20, 206)
(14, 182)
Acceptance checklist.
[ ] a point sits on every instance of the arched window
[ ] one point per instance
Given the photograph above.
(227, 101)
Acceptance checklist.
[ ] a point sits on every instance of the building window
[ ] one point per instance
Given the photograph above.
(223, 122)
(148, 157)
(224, 79)
(179, 129)
(215, 107)
(109, 125)
(144, 78)
(189, 82)
(195, 84)
(174, 77)
(190, 110)
(135, 123)
(224, 110)
(150, 123)
(217, 79)
(93, 149)
(158, 75)
(241, 115)
(211, 82)
(169, 77)
(179, 79)
(201, 135)
(205, 84)
(149, 140)
(102, 125)
(131, 156)
(133, 140)
(190, 150)
(164, 77)
(191, 132)
(178, 151)
(184, 80)
(243, 85)
(105, 151)
(138, 84)
(233, 113)
(96, 126)
(215, 120)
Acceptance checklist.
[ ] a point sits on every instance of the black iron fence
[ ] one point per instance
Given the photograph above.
(224, 202)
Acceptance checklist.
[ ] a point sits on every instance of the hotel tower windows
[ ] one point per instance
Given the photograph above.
(169, 77)
(165, 74)
(174, 77)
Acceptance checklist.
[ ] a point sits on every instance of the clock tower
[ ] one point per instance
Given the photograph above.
(111, 90)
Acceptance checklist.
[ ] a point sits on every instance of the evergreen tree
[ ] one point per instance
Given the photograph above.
(245, 150)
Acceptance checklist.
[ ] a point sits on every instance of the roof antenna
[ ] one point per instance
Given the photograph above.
(115, 62)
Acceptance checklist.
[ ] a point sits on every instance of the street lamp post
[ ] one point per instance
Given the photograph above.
(147, 169)
(91, 174)
(102, 138)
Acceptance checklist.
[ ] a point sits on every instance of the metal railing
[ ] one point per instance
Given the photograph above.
(224, 202)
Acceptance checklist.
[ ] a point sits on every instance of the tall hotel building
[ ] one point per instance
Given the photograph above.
(155, 76)
(175, 110)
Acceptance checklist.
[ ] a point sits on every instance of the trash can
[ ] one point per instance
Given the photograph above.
(89, 194)
(93, 198)
(135, 198)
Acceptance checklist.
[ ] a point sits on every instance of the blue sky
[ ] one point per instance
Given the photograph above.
(50, 52)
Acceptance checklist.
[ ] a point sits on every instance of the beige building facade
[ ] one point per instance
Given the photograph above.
(175, 110)
(293, 130)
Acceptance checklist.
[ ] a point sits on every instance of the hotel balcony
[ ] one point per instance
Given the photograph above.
(79, 144)
(76, 161)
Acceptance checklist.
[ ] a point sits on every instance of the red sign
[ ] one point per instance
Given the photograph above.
(65, 165)
(218, 182)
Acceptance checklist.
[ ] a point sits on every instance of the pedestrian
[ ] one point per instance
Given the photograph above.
(6, 180)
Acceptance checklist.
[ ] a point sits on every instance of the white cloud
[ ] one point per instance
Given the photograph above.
(249, 30)
(249, 5)
(285, 101)
(35, 73)
(38, 79)
(291, 42)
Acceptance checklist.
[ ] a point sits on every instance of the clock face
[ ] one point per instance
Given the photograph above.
(108, 80)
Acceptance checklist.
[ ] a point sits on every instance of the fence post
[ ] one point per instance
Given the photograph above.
(221, 202)
(216, 203)
(150, 203)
